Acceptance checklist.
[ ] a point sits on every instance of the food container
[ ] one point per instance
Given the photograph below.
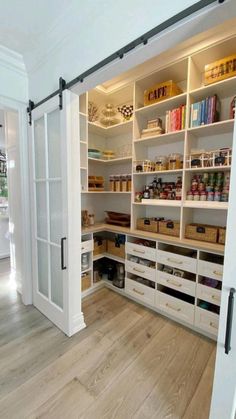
(217, 196)
(189, 195)
(210, 196)
(147, 166)
(161, 91)
(85, 281)
(112, 183)
(148, 224)
(202, 232)
(129, 183)
(117, 183)
(169, 227)
(174, 161)
(196, 196)
(124, 183)
(203, 196)
(161, 163)
(99, 246)
(115, 248)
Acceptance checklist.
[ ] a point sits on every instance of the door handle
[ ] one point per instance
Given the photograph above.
(229, 320)
(63, 267)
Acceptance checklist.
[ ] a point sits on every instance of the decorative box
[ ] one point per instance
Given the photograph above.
(220, 70)
(161, 91)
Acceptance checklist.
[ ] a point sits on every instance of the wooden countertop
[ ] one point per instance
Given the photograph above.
(211, 247)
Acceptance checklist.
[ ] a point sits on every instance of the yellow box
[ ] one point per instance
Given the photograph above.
(161, 91)
(220, 70)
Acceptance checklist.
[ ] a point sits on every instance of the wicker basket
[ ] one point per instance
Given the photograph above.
(161, 91)
(222, 234)
(85, 281)
(170, 228)
(116, 249)
(99, 247)
(203, 232)
(148, 224)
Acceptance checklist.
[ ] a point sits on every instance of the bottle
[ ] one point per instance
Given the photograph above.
(112, 183)
(146, 193)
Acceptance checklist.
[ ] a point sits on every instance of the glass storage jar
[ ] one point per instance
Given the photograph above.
(174, 161)
(160, 163)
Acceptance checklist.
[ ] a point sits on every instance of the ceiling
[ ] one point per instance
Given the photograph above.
(24, 22)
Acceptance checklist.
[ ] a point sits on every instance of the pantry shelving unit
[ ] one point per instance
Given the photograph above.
(187, 299)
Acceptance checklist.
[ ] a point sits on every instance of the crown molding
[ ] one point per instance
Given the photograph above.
(12, 61)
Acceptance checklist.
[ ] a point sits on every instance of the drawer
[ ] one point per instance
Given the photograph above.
(206, 320)
(177, 283)
(175, 307)
(140, 291)
(211, 295)
(177, 261)
(142, 251)
(211, 270)
(87, 246)
(140, 270)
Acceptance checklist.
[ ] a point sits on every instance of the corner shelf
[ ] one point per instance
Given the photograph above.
(117, 160)
(109, 256)
(113, 130)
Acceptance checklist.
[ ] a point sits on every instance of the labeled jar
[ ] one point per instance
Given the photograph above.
(129, 183)
(196, 196)
(174, 161)
(124, 183)
(210, 196)
(189, 195)
(117, 183)
(217, 196)
(203, 196)
(112, 183)
(161, 163)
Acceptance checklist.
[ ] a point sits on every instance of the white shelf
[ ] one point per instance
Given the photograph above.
(86, 270)
(161, 107)
(83, 168)
(223, 88)
(206, 205)
(162, 138)
(109, 256)
(209, 169)
(117, 160)
(113, 130)
(107, 192)
(221, 127)
(83, 142)
(159, 203)
(161, 172)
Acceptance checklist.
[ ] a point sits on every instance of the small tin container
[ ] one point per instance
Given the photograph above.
(217, 196)
(210, 196)
(196, 196)
(189, 195)
(203, 196)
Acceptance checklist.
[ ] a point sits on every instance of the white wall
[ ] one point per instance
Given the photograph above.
(93, 29)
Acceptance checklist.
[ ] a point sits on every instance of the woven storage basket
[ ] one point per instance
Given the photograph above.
(116, 249)
(161, 91)
(85, 281)
(203, 232)
(148, 224)
(222, 234)
(100, 246)
(170, 228)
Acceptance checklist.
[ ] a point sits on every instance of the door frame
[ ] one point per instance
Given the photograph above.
(26, 280)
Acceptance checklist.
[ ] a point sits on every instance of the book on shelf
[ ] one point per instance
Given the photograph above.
(175, 119)
(207, 111)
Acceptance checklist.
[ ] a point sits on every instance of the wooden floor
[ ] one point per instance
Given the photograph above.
(128, 363)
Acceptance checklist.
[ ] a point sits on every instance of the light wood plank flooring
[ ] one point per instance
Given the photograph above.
(128, 363)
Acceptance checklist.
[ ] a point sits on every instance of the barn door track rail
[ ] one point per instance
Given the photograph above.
(142, 40)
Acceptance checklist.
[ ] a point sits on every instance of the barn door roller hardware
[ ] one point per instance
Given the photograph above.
(142, 40)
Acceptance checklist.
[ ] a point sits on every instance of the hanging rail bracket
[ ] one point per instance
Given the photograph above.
(29, 110)
(62, 86)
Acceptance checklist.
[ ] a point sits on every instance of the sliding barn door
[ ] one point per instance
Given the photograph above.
(56, 229)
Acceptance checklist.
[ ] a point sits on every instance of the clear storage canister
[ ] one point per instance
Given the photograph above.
(117, 183)
(174, 161)
(161, 163)
(124, 183)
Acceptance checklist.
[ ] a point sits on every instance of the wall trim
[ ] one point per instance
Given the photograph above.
(12, 61)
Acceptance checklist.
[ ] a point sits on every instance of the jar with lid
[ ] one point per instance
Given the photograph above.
(189, 195)
(174, 161)
(196, 196)
(203, 196)
(210, 196)
(91, 219)
(117, 183)
(129, 183)
(161, 163)
(112, 183)
(84, 261)
(124, 183)
(217, 196)
(146, 193)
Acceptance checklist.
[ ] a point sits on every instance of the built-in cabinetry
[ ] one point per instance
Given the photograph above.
(193, 295)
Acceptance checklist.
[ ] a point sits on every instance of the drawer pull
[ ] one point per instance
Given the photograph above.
(213, 325)
(179, 262)
(139, 251)
(138, 292)
(173, 308)
(176, 284)
(218, 273)
(138, 270)
(215, 297)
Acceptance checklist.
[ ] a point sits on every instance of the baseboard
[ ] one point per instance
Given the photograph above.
(78, 324)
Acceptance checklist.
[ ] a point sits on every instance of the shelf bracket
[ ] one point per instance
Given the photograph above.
(62, 86)
(29, 110)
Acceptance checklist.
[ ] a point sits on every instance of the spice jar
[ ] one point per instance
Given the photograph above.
(161, 163)
(112, 183)
(117, 183)
(210, 196)
(203, 196)
(91, 219)
(196, 196)
(124, 183)
(189, 195)
(129, 183)
(174, 161)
